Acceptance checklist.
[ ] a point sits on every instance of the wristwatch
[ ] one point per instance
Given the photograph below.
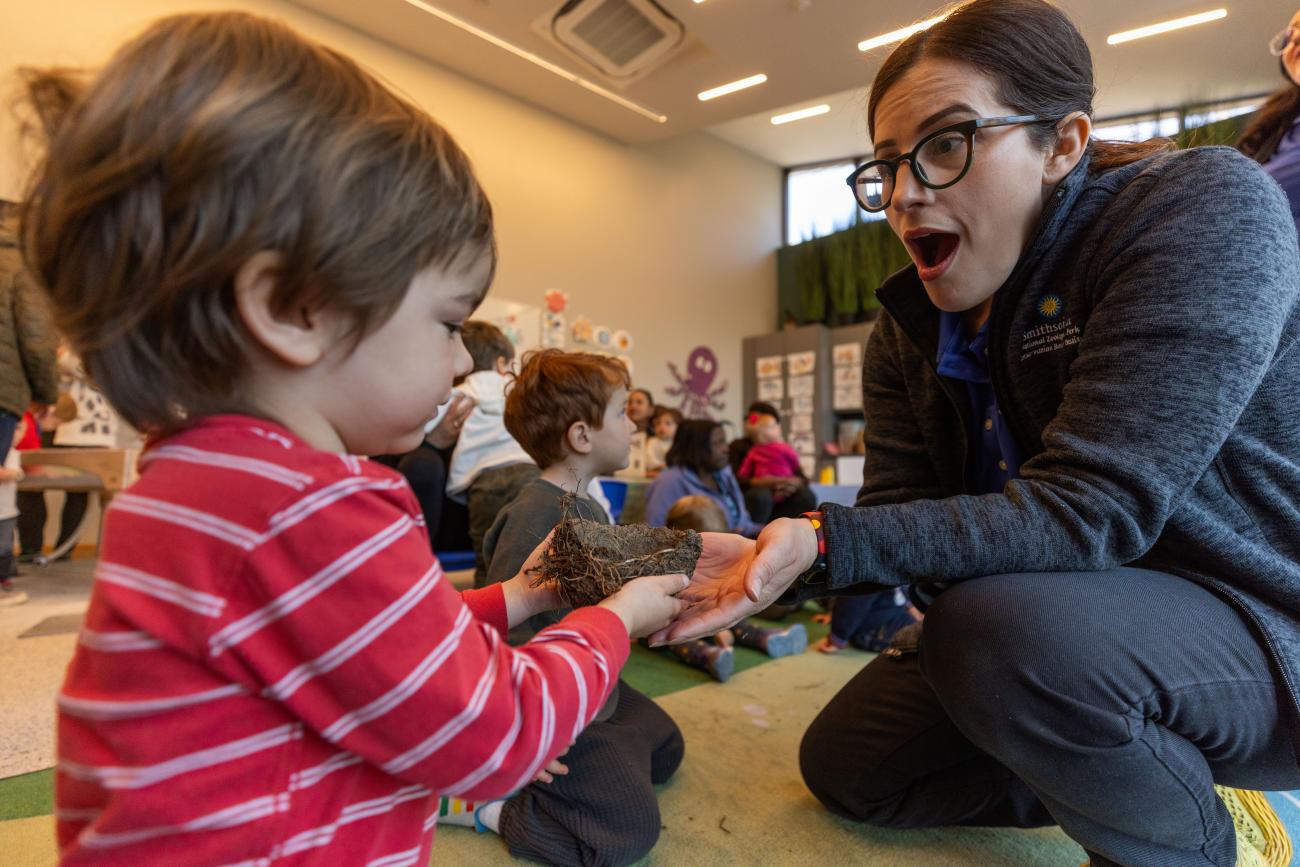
(816, 573)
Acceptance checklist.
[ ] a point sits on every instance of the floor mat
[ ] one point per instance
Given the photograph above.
(738, 798)
(64, 624)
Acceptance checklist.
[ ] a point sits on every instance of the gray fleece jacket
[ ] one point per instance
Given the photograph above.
(1144, 352)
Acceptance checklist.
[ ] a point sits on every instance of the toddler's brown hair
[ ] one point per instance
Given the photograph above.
(205, 140)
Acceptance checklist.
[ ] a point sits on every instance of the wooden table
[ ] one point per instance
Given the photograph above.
(100, 473)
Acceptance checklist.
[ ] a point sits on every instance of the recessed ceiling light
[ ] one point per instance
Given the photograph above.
(724, 89)
(802, 113)
(1166, 26)
(543, 63)
(898, 35)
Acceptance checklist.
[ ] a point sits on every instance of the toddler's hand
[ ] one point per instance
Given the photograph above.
(546, 774)
(647, 604)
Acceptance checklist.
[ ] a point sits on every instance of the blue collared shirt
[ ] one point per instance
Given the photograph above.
(992, 459)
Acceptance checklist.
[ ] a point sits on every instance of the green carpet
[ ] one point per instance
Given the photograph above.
(657, 672)
(27, 795)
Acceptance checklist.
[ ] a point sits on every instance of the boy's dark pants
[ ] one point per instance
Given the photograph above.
(604, 811)
(1105, 702)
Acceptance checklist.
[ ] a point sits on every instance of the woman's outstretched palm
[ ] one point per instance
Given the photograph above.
(715, 598)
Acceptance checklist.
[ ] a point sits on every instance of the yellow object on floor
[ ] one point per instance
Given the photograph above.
(1261, 839)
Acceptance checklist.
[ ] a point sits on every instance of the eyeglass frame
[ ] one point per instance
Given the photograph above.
(968, 128)
(1286, 34)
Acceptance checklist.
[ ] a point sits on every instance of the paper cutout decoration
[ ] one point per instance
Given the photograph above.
(802, 386)
(582, 330)
(768, 366)
(848, 376)
(846, 397)
(847, 354)
(556, 300)
(695, 388)
(553, 330)
(602, 337)
(770, 389)
(622, 341)
(802, 363)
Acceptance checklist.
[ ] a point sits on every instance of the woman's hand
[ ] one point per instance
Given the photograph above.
(737, 577)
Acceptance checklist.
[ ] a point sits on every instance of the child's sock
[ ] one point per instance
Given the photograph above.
(480, 815)
(719, 662)
(776, 641)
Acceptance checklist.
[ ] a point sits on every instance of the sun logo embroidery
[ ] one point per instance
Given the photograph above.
(1050, 306)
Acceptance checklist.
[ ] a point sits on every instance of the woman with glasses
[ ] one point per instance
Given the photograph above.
(1082, 448)
(1273, 136)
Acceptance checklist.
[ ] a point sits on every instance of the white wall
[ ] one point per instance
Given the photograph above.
(674, 242)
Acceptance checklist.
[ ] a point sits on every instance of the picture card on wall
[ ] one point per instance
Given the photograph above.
(809, 466)
(802, 386)
(848, 376)
(802, 362)
(770, 389)
(768, 366)
(846, 397)
(847, 354)
(801, 404)
(804, 443)
(801, 424)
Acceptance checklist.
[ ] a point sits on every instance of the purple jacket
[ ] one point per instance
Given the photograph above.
(677, 482)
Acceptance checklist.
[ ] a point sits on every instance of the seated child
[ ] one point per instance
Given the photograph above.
(567, 410)
(770, 472)
(664, 423)
(703, 515)
(264, 258)
(11, 473)
(868, 622)
(488, 468)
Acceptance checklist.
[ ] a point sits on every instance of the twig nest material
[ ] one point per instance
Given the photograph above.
(589, 561)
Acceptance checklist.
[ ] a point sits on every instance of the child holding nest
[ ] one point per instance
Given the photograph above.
(567, 410)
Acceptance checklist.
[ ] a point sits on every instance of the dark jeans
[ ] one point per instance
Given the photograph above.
(31, 519)
(762, 508)
(868, 621)
(1106, 702)
(605, 810)
(8, 422)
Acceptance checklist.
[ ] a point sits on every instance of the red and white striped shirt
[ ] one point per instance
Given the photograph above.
(275, 669)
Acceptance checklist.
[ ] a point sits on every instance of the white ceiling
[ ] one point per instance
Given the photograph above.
(808, 49)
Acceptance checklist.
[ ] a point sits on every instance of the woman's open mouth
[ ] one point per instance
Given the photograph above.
(932, 251)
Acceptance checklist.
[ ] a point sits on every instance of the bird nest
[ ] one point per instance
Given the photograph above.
(589, 560)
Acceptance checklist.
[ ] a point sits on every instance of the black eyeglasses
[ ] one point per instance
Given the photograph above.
(939, 160)
(1278, 44)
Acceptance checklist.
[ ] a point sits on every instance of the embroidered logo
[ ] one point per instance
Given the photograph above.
(1050, 306)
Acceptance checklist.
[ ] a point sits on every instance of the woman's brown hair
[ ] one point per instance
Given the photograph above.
(1036, 58)
(1260, 139)
(206, 139)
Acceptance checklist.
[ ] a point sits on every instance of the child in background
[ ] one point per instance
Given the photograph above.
(703, 515)
(273, 665)
(488, 468)
(771, 457)
(567, 410)
(664, 423)
(11, 473)
(640, 406)
(868, 622)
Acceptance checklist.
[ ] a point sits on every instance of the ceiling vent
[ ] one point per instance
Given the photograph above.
(624, 40)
